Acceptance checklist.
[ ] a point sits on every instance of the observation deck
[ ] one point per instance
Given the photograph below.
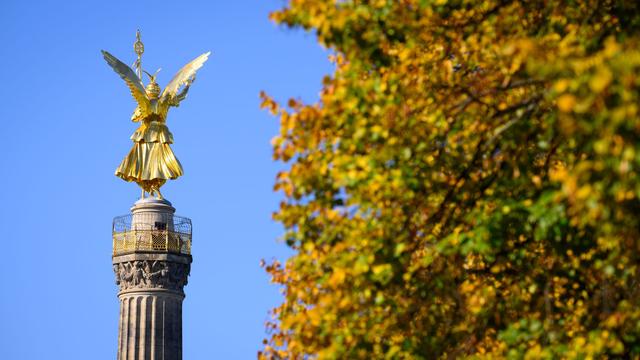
(148, 230)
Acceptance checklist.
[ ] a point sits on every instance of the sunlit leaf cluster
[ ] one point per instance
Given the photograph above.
(466, 186)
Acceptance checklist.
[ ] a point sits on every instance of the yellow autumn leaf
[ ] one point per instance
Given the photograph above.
(566, 102)
(600, 80)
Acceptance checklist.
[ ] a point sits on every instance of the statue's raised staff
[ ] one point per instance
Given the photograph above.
(151, 162)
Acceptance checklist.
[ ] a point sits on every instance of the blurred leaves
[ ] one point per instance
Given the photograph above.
(466, 186)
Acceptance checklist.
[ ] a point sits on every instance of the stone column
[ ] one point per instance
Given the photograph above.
(151, 290)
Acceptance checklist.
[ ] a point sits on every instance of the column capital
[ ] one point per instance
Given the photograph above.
(144, 272)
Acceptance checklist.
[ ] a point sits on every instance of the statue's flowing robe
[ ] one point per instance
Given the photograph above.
(151, 162)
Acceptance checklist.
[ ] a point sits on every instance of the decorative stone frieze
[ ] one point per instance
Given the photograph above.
(151, 274)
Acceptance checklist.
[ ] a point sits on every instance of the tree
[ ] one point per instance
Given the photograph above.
(466, 185)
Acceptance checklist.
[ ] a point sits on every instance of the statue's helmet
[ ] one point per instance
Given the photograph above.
(153, 90)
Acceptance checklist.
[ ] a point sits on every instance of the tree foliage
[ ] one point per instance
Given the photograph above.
(466, 185)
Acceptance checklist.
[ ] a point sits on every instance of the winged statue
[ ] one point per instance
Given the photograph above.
(151, 162)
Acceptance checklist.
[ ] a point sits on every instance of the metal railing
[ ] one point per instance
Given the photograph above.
(149, 232)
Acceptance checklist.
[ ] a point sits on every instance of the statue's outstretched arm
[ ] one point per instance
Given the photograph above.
(175, 101)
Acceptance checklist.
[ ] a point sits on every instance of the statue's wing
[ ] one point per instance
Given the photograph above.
(133, 81)
(183, 77)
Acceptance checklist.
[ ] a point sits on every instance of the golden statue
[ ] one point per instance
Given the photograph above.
(151, 162)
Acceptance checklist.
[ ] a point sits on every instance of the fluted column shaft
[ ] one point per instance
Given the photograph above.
(151, 294)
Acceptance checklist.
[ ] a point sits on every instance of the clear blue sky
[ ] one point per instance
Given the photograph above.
(64, 124)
